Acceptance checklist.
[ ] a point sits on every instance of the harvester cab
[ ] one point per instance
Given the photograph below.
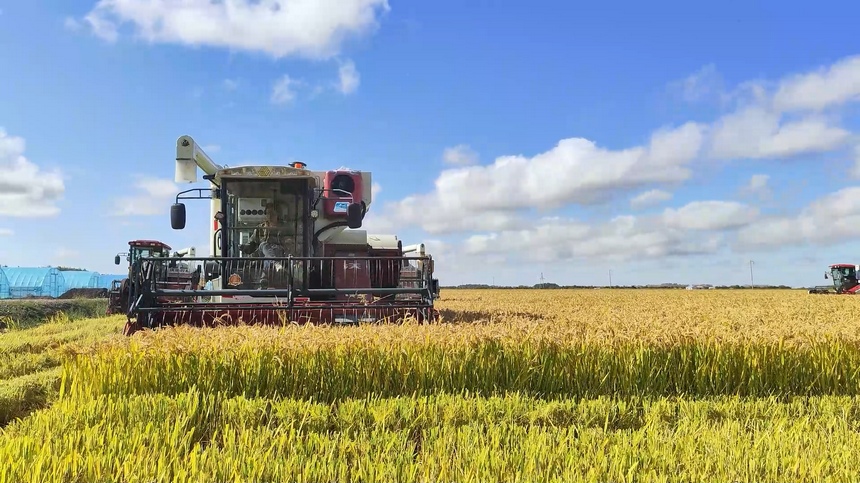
(286, 248)
(844, 277)
(118, 297)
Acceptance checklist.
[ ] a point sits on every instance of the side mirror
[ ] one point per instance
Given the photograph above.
(177, 216)
(116, 260)
(354, 215)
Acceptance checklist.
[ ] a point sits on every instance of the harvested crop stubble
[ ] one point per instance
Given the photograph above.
(549, 343)
(205, 437)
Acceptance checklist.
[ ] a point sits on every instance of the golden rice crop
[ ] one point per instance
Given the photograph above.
(552, 385)
(553, 343)
(205, 437)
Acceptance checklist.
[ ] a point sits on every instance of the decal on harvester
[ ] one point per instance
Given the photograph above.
(340, 207)
(234, 280)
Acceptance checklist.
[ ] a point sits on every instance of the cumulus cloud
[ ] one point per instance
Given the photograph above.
(6, 232)
(575, 171)
(283, 90)
(831, 219)
(695, 229)
(349, 78)
(827, 86)
(855, 169)
(758, 185)
(755, 132)
(313, 29)
(650, 198)
(710, 215)
(26, 190)
(460, 155)
(702, 84)
(154, 198)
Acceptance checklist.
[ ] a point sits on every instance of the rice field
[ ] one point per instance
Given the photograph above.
(552, 385)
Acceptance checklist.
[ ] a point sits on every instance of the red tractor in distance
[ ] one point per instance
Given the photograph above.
(844, 276)
(120, 292)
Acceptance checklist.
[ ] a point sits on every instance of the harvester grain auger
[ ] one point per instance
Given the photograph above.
(844, 276)
(286, 248)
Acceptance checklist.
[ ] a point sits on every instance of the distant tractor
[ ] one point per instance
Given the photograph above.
(844, 276)
(180, 274)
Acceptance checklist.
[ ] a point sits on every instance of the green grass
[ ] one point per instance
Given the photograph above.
(21, 314)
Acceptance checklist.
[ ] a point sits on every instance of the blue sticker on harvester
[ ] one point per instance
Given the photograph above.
(340, 207)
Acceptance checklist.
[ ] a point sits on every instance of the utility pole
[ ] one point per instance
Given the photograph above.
(752, 283)
(541, 280)
(610, 278)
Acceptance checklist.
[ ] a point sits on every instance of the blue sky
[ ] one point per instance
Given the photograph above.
(668, 142)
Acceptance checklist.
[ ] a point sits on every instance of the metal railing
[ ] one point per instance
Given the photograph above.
(292, 282)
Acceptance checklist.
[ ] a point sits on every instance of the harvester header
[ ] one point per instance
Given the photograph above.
(286, 246)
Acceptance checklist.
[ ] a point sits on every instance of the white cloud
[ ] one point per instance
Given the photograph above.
(26, 190)
(6, 232)
(212, 148)
(758, 185)
(832, 219)
(375, 189)
(460, 155)
(710, 215)
(231, 84)
(755, 132)
(622, 238)
(650, 198)
(283, 90)
(155, 197)
(827, 86)
(307, 28)
(66, 255)
(71, 24)
(706, 82)
(855, 170)
(576, 171)
(349, 78)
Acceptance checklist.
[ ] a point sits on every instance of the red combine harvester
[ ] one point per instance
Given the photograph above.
(844, 276)
(286, 248)
(179, 274)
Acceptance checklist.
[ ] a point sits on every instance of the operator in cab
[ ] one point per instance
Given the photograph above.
(271, 238)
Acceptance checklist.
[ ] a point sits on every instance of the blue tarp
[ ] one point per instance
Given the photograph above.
(78, 279)
(4, 285)
(105, 280)
(35, 282)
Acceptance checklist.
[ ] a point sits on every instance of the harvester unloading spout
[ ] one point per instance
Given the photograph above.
(285, 247)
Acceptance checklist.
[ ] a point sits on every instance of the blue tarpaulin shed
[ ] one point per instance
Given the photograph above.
(80, 279)
(35, 282)
(105, 280)
(4, 285)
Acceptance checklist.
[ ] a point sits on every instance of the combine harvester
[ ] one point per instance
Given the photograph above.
(121, 291)
(844, 276)
(286, 249)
